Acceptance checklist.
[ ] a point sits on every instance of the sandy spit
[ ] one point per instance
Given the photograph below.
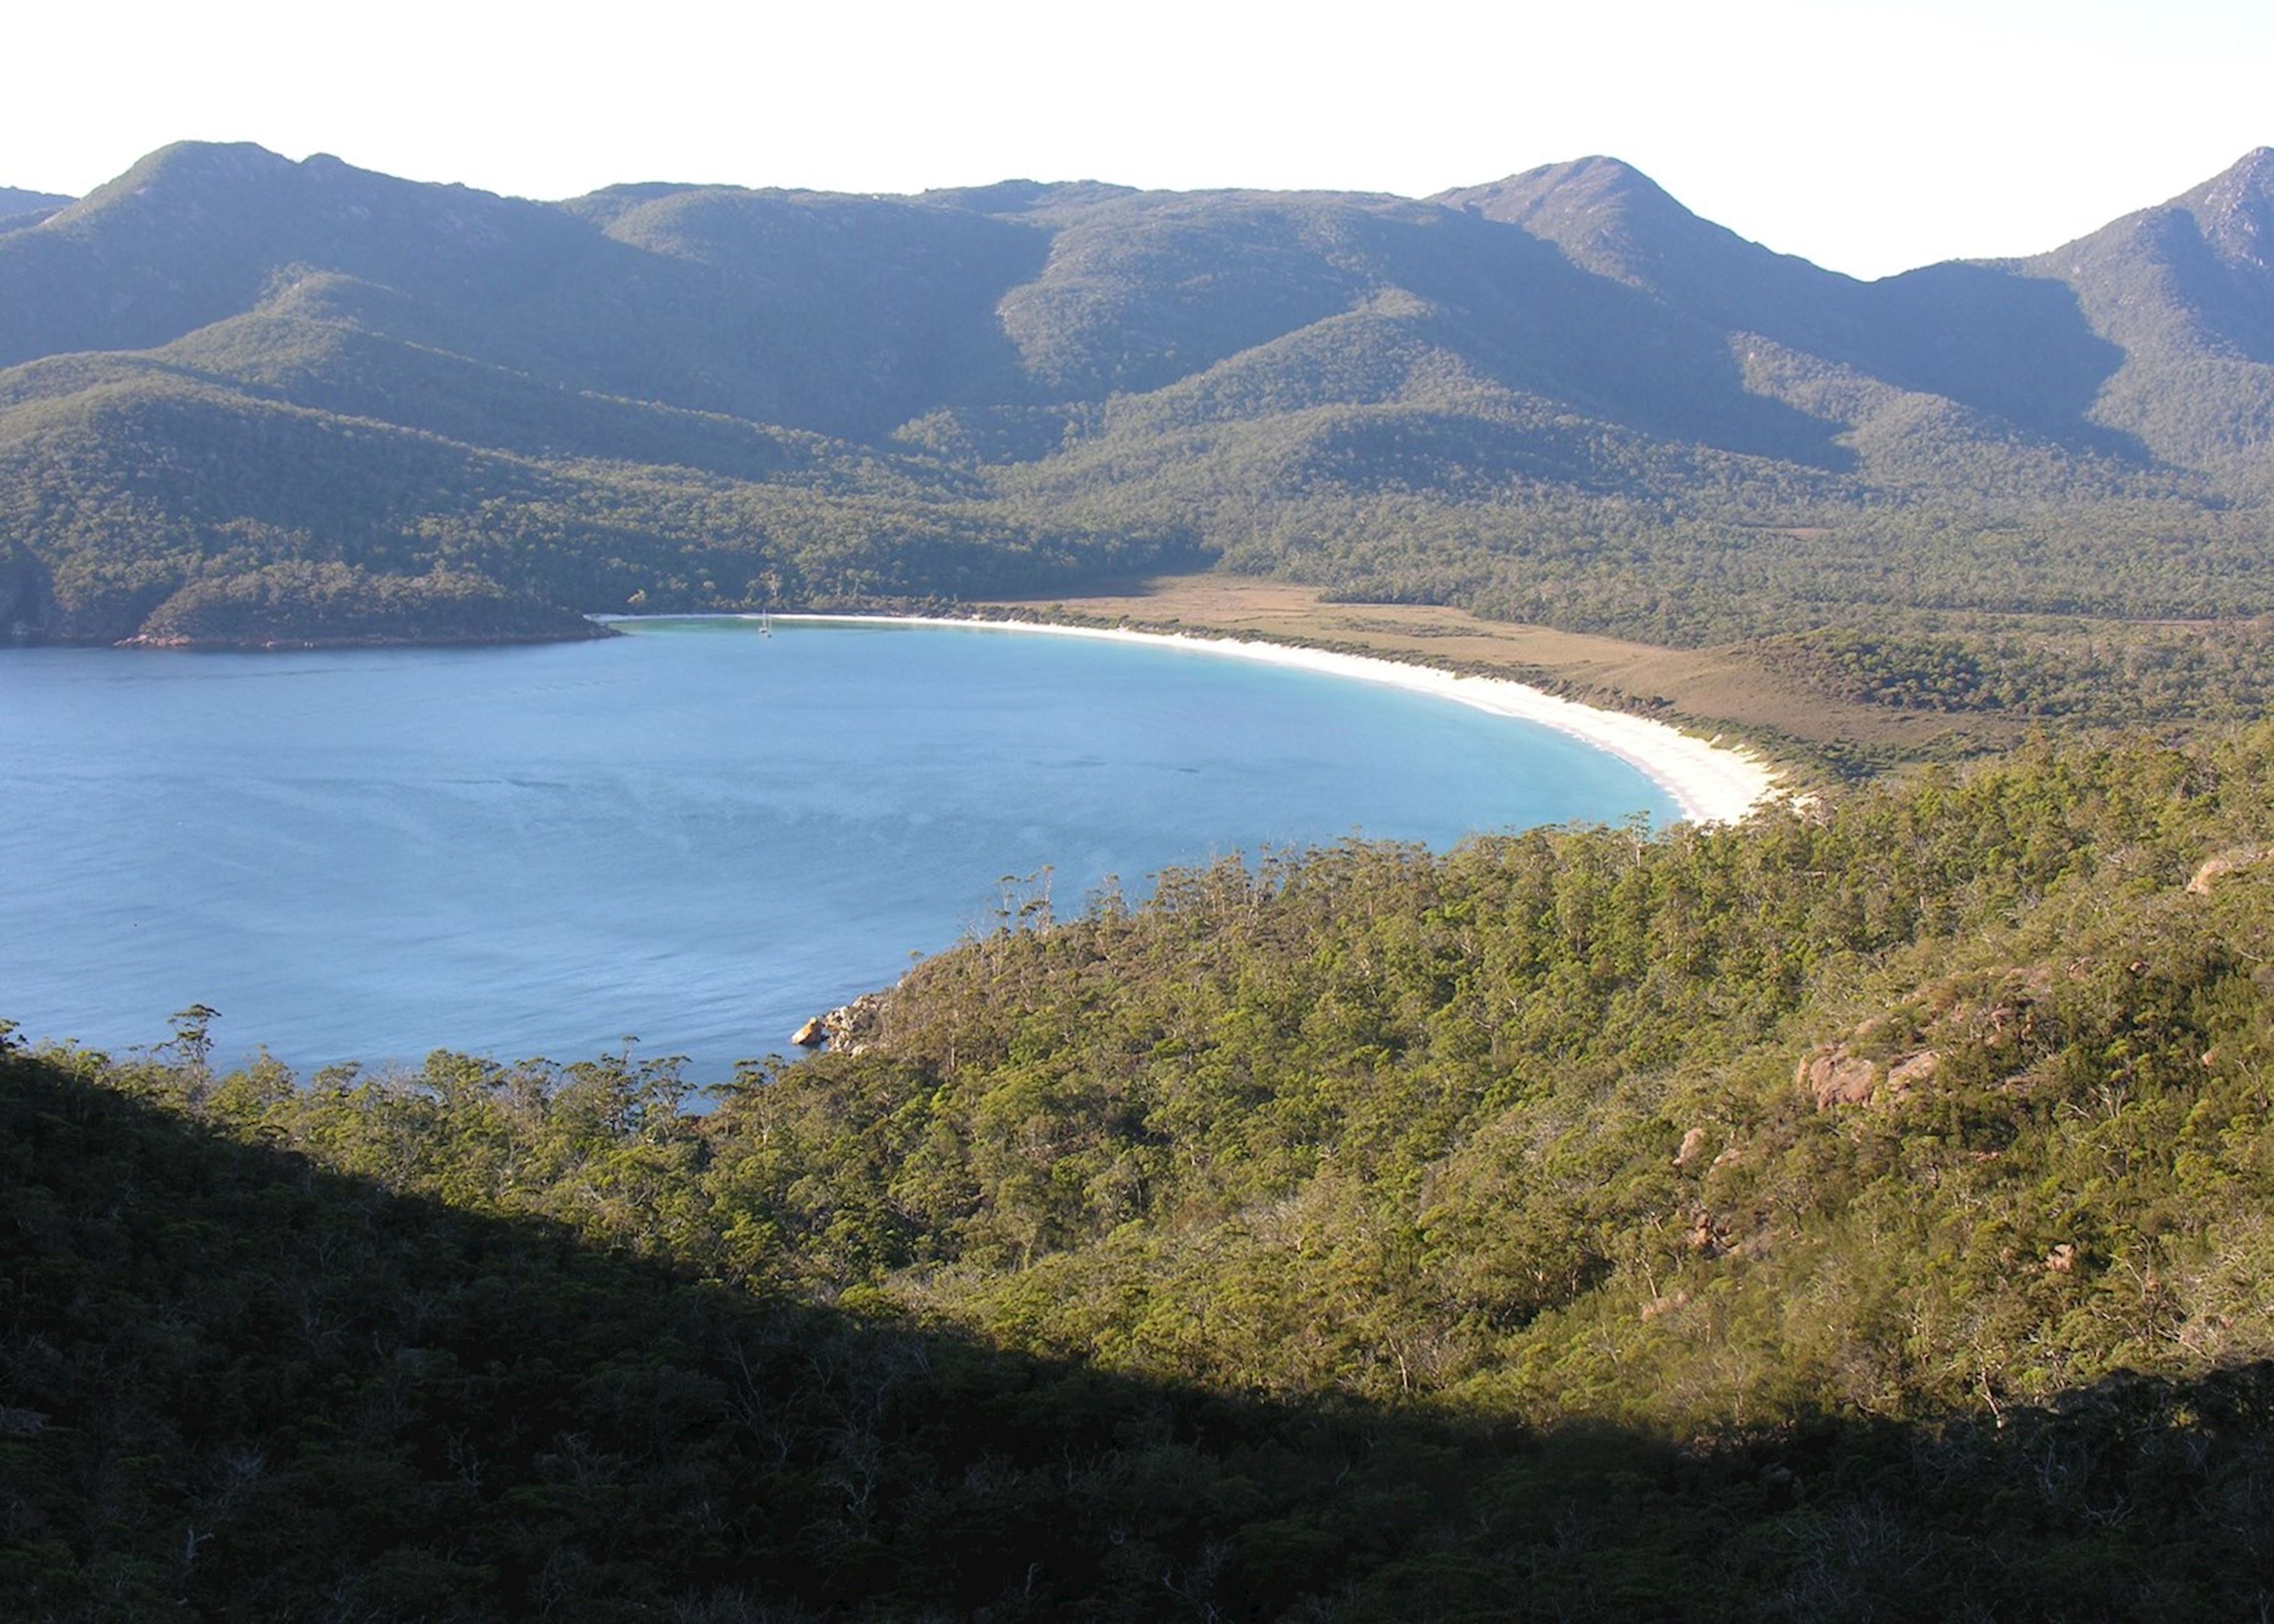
(1712, 782)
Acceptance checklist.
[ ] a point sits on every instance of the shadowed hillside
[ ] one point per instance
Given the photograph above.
(1861, 1217)
(2184, 292)
(248, 1385)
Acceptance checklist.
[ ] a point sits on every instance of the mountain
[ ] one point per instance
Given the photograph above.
(1974, 334)
(1557, 396)
(1612, 220)
(17, 207)
(2184, 292)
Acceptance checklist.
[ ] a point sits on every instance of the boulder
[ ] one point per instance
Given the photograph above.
(1836, 1075)
(2226, 862)
(847, 1029)
(852, 1027)
(1913, 1072)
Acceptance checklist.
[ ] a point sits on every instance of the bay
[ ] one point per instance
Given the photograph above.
(697, 834)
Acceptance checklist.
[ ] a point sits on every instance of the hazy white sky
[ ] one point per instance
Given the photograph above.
(1868, 137)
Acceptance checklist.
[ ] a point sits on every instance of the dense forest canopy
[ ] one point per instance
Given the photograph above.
(1861, 1215)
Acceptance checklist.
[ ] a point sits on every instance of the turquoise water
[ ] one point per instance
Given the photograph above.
(695, 834)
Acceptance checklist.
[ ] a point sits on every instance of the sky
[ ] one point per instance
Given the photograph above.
(1869, 138)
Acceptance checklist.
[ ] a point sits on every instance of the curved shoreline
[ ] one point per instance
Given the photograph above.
(1712, 782)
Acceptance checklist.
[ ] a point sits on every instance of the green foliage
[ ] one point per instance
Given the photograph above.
(1858, 1214)
(1562, 399)
(2077, 672)
(1862, 1213)
(297, 601)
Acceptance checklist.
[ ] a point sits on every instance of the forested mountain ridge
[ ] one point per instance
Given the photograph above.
(2182, 291)
(18, 208)
(1977, 335)
(1559, 397)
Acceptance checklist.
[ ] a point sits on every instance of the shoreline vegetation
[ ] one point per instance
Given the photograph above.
(285, 644)
(1866, 1214)
(1817, 1220)
(1713, 782)
(1814, 733)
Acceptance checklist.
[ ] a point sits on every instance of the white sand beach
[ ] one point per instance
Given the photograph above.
(1712, 782)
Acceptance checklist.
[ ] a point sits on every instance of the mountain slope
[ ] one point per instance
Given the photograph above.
(1614, 220)
(18, 208)
(2186, 292)
(1976, 334)
(1543, 395)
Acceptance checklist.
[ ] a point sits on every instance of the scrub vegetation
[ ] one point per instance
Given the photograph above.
(1561, 399)
(1853, 1215)
(1862, 1213)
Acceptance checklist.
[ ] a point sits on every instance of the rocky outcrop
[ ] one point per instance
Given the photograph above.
(1708, 1236)
(1915, 1072)
(848, 1029)
(2215, 868)
(853, 1027)
(1836, 1076)
(1666, 1305)
(1997, 1017)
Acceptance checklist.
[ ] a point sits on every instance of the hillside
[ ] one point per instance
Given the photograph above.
(1560, 398)
(1863, 1216)
(1858, 1214)
(2181, 291)
(19, 207)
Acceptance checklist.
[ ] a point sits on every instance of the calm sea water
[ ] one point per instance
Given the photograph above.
(696, 834)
